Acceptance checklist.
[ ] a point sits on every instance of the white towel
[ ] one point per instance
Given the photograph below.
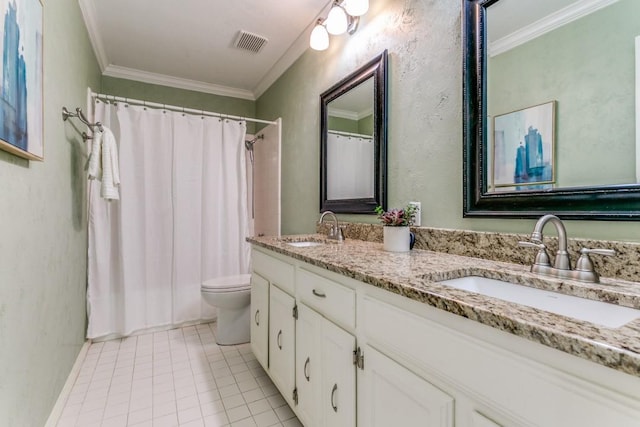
(94, 157)
(110, 167)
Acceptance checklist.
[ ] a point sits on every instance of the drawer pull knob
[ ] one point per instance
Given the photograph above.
(319, 294)
(306, 365)
(333, 393)
(278, 339)
(257, 318)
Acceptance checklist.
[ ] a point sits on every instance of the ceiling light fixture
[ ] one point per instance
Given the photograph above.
(337, 21)
(356, 7)
(319, 37)
(344, 16)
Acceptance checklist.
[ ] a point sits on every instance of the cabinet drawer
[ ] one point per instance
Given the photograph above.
(333, 300)
(274, 270)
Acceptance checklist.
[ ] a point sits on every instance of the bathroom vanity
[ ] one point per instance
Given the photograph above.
(352, 335)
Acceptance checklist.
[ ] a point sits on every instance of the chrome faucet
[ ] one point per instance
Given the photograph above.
(335, 232)
(562, 261)
(561, 268)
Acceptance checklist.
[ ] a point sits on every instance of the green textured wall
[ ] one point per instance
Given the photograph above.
(595, 128)
(425, 119)
(180, 97)
(343, 125)
(43, 225)
(365, 125)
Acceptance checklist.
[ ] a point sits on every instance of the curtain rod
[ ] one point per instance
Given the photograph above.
(175, 108)
(355, 135)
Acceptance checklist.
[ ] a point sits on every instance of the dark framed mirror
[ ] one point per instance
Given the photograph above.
(353, 141)
(580, 158)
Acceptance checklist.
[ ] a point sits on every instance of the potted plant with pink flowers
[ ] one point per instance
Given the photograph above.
(396, 222)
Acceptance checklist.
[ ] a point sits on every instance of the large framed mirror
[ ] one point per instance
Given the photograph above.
(550, 116)
(353, 141)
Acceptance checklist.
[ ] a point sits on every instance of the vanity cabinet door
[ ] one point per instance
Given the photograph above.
(282, 341)
(338, 377)
(309, 366)
(325, 373)
(260, 319)
(479, 420)
(391, 395)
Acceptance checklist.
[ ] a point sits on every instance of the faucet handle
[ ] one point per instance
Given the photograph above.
(605, 252)
(542, 257)
(584, 262)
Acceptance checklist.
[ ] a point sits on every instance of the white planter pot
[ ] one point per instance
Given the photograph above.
(396, 239)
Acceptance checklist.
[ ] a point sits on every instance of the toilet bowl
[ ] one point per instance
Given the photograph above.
(231, 295)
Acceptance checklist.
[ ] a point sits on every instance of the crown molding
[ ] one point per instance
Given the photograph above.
(299, 47)
(291, 55)
(89, 14)
(343, 114)
(365, 113)
(164, 80)
(294, 52)
(549, 23)
(350, 115)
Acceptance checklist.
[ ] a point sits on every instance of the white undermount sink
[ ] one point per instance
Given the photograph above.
(601, 313)
(304, 244)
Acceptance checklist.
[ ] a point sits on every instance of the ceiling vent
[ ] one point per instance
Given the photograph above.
(249, 41)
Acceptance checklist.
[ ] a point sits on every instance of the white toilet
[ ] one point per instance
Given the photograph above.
(231, 295)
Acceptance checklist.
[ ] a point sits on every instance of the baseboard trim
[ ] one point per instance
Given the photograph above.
(54, 416)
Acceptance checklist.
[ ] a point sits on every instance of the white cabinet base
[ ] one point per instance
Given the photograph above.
(391, 395)
(422, 366)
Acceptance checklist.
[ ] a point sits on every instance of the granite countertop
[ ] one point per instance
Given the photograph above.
(416, 275)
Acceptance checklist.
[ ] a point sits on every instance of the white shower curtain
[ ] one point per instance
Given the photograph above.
(350, 170)
(182, 219)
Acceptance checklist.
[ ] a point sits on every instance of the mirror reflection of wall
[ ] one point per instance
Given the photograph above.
(350, 147)
(353, 141)
(587, 65)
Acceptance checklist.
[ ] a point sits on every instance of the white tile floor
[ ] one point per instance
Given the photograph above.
(180, 378)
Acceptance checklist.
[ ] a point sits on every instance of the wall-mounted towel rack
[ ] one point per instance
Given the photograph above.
(80, 115)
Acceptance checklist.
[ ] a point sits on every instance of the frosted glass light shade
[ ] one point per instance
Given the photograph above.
(319, 39)
(337, 21)
(357, 7)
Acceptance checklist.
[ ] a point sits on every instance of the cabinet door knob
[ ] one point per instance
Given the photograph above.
(306, 365)
(257, 317)
(333, 393)
(278, 339)
(319, 294)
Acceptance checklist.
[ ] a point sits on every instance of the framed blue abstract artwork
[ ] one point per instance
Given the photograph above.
(523, 149)
(21, 109)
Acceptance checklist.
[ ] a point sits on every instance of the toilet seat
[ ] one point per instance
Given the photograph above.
(221, 289)
(235, 283)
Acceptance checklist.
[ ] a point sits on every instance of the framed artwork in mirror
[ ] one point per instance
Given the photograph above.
(21, 106)
(523, 149)
(353, 141)
(506, 65)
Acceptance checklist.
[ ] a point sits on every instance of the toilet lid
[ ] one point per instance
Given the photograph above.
(240, 282)
(225, 288)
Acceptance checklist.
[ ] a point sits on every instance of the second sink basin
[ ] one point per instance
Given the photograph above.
(306, 244)
(602, 313)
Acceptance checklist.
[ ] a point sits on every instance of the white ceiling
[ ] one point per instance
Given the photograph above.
(189, 43)
(508, 16)
(511, 23)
